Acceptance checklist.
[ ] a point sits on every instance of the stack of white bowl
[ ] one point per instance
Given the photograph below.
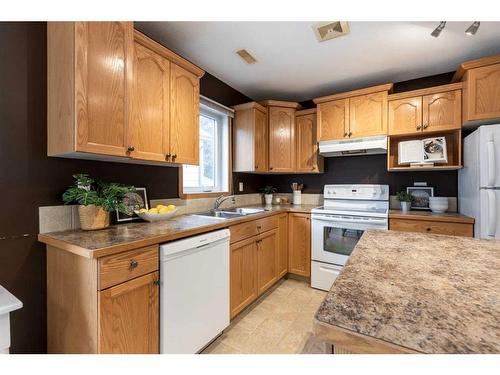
(438, 204)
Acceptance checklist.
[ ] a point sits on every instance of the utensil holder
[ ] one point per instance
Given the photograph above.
(297, 197)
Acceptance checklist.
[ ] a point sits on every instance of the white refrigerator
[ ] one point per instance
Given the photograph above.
(479, 181)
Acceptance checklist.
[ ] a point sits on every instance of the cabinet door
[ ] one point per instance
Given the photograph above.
(405, 116)
(282, 245)
(129, 317)
(260, 139)
(103, 75)
(148, 128)
(299, 262)
(184, 115)
(307, 146)
(333, 120)
(483, 93)
(368, 115)
(442, 111)
(267, 259)
(281, 139)
(243, 271)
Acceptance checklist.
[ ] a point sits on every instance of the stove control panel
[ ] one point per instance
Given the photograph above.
(358, 192)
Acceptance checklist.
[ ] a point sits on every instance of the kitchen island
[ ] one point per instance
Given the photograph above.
(415, 293)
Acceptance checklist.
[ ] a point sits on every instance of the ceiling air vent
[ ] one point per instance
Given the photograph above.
(329, 30)
(245, 55)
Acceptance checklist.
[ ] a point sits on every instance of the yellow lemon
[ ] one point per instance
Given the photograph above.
(159, 206)
(142, 210)
(171, 207)
(163, 210)
(153, 210)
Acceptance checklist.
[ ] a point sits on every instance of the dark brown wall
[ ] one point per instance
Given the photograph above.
(29, 179)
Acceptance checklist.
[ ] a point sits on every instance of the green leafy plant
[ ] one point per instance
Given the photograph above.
(87, 191)
(403, 196)
(268, 189)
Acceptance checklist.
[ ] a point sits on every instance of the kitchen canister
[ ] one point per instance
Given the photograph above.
(297, 197)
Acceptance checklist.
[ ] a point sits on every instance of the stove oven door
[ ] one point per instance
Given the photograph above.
(334, 237)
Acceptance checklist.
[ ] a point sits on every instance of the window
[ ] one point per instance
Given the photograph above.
(212, 175)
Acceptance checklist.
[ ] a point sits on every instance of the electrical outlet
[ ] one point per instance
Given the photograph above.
(240, 186)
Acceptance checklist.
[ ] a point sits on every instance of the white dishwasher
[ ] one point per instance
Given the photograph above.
(194, 293)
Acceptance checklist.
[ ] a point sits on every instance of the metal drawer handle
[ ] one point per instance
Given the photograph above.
(259, 227)
(133, 264)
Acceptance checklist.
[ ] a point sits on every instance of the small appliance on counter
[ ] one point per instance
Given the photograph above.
(479, 181)
(8, 303)
(336, 228)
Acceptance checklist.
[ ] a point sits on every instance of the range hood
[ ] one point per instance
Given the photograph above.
(356, 146)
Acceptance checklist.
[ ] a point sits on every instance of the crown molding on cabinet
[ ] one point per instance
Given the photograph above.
(280, 103)
(348, 94)
(484, 61)
(426, 91)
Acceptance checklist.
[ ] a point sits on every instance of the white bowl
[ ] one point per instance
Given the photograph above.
(438, 205)
(438, 199)
(155, 217)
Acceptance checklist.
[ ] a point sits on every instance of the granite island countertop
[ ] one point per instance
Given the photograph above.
(419, 292)
(123, 237)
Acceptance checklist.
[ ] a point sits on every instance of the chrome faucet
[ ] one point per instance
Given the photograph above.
(222, 199)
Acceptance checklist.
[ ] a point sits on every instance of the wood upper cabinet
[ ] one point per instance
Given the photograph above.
(481, 90)
(281, 139)
(103, 61)
(149, 128)
(308, 159)
(250, 140)
(299, 262)
(112, 91)
(405, 115)
(442, 111)
(368, 115)
(129, 317)
(353, 114)
(333, 120)
(282, 245)
(267, 259)
(184, 115)
(433, 109)
(243, 274)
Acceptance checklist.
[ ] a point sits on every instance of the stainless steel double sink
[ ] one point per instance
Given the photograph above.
(231, 213)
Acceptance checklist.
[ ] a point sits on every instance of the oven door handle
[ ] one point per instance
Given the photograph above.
(342, 220)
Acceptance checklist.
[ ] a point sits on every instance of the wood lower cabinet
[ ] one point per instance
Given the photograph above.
(333, 120)
(282, 245)
(281, 139)
(250, 138)
(243, 275)
(114, 94)
(184, 116)
(267, 259)
(308, 159)
(299, 260)
(368, 115)
(129, 317)
(433, 227)
(149, 125)
(103, 305)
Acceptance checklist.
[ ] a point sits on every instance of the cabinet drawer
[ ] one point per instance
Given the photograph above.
(252, 228)
(118, 268)
(436, 227)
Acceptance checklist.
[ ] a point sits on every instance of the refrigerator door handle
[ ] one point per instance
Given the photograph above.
(490, 146)
(492, 212)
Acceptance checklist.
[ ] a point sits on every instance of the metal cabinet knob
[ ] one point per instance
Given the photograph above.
(174, 156)
(130, 148)
(428, 229)
(425, 126)
(419, 127)
(345, 135)
(133, 264)
(167, 157)
(350, 134)
(157, 282)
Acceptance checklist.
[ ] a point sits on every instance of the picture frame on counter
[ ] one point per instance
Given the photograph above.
(134, 201)
(421, 195)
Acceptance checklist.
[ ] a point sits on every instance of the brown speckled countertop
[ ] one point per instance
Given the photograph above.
(118, 238)
(429, 293)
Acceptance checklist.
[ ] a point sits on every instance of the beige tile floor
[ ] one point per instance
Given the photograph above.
(280, 322)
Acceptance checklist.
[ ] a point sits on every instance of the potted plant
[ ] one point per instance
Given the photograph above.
(268, 194)
(405, 199)
(96, 200)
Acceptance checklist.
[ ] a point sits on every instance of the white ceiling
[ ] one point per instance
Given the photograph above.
(293, 65)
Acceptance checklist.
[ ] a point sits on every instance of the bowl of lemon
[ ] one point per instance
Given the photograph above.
(158, 213)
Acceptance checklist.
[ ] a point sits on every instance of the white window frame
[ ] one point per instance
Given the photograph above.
(222, 150)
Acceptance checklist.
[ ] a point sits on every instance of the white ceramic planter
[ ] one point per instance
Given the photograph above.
(268, 198)
(405, 206)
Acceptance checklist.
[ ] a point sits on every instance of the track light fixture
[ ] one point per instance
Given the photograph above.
(438, 29)
(472, 29)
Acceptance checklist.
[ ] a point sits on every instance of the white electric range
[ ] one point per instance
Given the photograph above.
(348, 211)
